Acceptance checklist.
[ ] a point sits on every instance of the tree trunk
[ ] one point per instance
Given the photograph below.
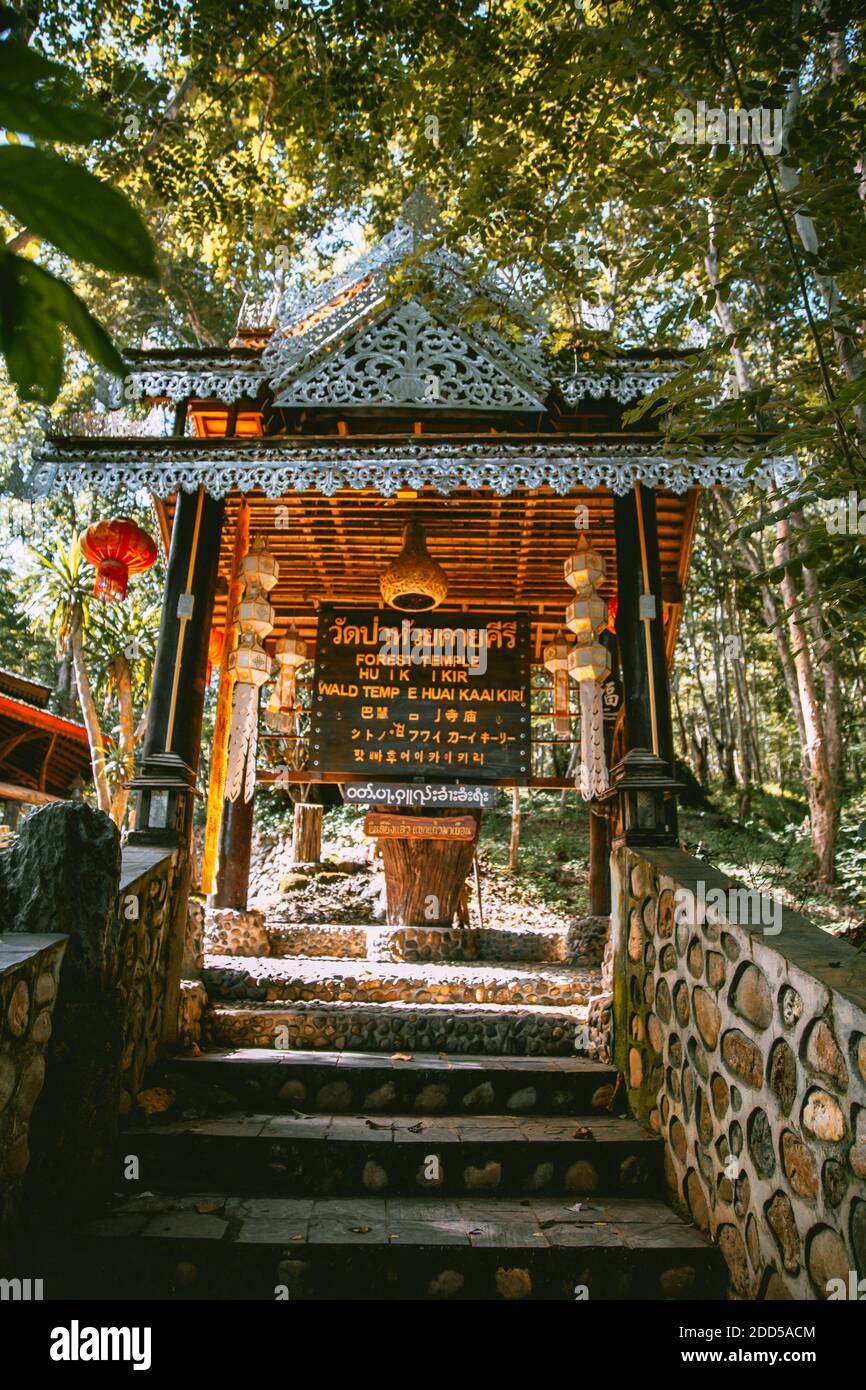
(822, 807)
(424, 878)
(126, 738)
(307, 833)
(754, 561)
(91, 719)
(829, 670)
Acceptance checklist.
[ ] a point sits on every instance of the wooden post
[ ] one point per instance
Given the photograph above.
(646, 693)
(177, 691)
(235, 849)
(629, 628)
(599, 865)
(514, 846)
(222, 722)
(307, 832)
(179, 670)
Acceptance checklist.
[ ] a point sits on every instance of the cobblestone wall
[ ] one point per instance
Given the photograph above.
(744, 1046)
(118, 994)
(146, 904)
(29, 971)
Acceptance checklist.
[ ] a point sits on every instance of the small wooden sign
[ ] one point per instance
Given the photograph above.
(385, 827)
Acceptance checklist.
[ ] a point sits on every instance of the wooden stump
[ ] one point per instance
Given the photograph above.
(425, 877)
(307, 833)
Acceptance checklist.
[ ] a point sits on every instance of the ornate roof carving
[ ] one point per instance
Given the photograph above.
(409, 357)
(312, 324)
(277, 469)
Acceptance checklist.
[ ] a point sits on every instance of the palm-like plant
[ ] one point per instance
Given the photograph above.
(57, 600)
(120, 641)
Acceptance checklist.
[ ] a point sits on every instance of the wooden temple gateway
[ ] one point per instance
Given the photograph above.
(388, 476)
(427, 560)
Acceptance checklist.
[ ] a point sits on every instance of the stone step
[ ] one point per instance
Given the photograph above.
(214, 1246)
(418, 943)
(304, 1155)
(491, 1029)
(373, 1083)
(251, 934)
(338, 980)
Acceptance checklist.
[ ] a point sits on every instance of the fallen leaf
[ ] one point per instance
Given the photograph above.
(298, 1237)
(155, 1100)
(361, 1230)
(582, 1132)
(402, 1057)
(205, 1208)
(371, 1124)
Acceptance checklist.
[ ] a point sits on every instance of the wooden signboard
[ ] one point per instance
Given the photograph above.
(388, 827)
(439, 695)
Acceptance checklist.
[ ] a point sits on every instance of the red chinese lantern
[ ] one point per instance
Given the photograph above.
(118, 548)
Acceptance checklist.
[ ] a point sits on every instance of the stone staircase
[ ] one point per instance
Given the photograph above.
(422, 1129)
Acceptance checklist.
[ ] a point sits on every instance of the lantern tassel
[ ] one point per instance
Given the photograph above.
(242, 740)
(592, 779)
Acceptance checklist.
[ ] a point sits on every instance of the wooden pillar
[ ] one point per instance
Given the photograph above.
(177, 689)
(640, 633)
(599, 864)
(641, 641)
(177, 703)
(235, 848)
(222, 721)
(629, 628)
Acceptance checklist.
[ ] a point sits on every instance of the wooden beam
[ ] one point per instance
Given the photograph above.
(43, 772)
(10, 792)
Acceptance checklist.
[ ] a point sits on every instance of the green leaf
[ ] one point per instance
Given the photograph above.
(65, 305)
(44, 99)
(77, 212)
(29, 336)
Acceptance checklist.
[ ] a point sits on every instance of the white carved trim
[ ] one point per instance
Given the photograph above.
(278, 469)
(180, 382)
(621, 386)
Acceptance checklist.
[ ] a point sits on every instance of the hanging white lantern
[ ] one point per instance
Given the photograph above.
(254, 613)
(556, 661)
(585, 568)
(250, 666)
(589, 661)
(259, 567)
(290, 653)
(586, 615)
